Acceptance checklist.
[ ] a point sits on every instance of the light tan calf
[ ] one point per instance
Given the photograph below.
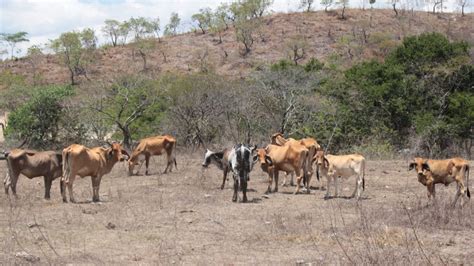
(150, 147)
(334, 166)
(432, 172)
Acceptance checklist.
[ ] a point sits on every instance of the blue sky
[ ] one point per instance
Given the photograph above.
(47, 19)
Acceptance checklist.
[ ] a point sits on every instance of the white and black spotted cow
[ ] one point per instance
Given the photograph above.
(241, 162)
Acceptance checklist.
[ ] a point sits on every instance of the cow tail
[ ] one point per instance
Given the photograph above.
(363, 174)
(173, 148)
(467, 181)
(66, 167)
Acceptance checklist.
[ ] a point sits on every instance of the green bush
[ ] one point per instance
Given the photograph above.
(38, 120)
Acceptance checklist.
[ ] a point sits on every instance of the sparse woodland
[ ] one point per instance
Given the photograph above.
(376, 82)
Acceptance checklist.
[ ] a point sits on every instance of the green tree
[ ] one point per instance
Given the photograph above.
(12, 39)
(326, 4)
(203, 19)
(76, 50)
(128, 102)
(124, 31)
(344, 4)
(112, 30)
(172, 27)
(306, 5)
(37, 121)
(35, 56)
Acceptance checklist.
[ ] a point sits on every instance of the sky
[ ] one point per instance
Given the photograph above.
(45, 20)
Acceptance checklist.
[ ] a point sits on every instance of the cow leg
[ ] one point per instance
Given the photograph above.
(308, 181)
(47, 186)
(236, 189)
(328, 178)
(70, 189)
(459, 192)
(62, 187)
(14, 180)
(335, 180)
(358, 187)
(299, 177)
(284, 180)
(270, 180)
(244, 189)
(95, 188)
(147, 163)
(292, 182)
(276, 181)
(224, 178)
(7, 183)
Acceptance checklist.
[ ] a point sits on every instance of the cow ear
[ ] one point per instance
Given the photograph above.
(254, 148)
(110, 153)
(450, 167)
(326, 162)
(411, 166)
(425, 166)
(255, 158)
(268, 160)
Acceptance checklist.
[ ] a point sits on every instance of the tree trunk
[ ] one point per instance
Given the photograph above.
(395, 9)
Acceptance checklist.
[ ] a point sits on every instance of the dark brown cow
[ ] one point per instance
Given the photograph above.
(31, 164)
(432, 172)
(81, 161)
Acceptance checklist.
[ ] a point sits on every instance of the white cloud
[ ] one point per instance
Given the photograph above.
(47, 19)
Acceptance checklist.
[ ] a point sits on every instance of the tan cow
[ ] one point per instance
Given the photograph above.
(287, 158)
(153, 146)
(335, 166)
(310, 144)
(31, 164)
(432, 172)
(95, 162)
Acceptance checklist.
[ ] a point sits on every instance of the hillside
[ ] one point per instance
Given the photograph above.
(193, 51)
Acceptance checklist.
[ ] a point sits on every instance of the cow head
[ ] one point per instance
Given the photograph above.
(116, 153)
(264, 159)
(421, 167)
(213, 157)
(278, 139)
(320, 159)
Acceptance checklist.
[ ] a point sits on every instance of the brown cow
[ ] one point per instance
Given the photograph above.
(345, 166)
(153, 146)
(47, 164)
(81, 161)
(287, 158)
(432, 172)
(310, 144)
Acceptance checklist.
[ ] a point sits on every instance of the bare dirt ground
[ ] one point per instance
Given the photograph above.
(184, 218)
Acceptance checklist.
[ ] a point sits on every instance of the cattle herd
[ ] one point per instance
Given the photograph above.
(291, 156)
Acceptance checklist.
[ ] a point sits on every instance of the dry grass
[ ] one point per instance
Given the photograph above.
(185, 218)
(185, 52)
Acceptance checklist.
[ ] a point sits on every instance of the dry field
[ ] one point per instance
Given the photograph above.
(184, 218)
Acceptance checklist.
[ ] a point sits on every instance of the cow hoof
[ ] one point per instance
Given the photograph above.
(234, 199)
(64, 200)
